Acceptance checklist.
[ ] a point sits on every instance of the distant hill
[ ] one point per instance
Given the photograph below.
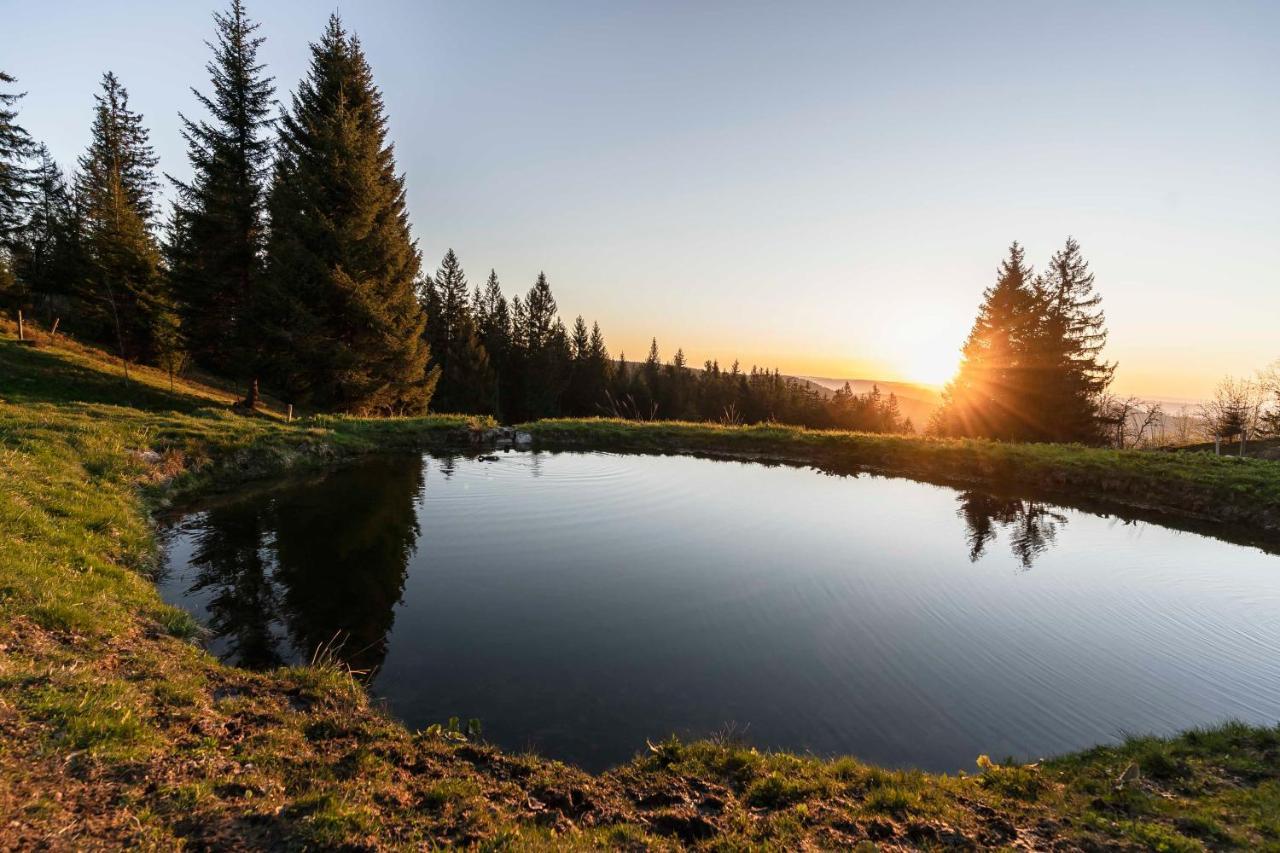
(917, 402)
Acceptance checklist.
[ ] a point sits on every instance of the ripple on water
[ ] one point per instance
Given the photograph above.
(581, 603)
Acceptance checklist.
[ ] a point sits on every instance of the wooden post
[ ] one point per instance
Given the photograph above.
(289, 414)
(53, 333)
(21, 333)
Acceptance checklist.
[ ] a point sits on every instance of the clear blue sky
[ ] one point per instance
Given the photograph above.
(822, 187)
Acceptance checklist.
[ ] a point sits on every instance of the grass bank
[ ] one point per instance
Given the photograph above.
(1231, 495)
(116, 728)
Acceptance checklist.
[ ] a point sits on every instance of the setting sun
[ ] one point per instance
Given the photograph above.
(927, 348)
(932, 364)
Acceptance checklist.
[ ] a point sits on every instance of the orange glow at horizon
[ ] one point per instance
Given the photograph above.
(931, 366)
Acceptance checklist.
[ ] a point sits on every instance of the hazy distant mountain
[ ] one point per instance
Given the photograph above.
(917, 402)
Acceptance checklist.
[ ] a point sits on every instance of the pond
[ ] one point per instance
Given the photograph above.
(578, 604)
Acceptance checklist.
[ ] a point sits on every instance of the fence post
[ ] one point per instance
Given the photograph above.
(21, 332)
(289, 414)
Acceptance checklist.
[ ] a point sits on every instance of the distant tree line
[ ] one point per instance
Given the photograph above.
(517, 360)
(288, 257)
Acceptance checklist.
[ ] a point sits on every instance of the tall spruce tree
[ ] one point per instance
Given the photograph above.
(341, 262)
(15, 147)
(123, 292)
(579, 396)
(993, 394)
(493, 324)
(493, 318)
(119, 148)
(543, 349)
(1072, 374)
(511, 386)
(652, 368)
(599, 368)
(216, 267)
(15, 182)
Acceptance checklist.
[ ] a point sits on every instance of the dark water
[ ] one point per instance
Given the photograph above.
(581, 603)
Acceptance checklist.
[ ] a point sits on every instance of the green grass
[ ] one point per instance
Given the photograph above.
(1186, 488)
(116, 729)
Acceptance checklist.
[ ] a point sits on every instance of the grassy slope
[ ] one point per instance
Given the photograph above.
(115, 728)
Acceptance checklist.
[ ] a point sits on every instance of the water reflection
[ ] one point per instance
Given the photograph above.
(321, 567)
(230, 562)
(579, 604)
(1032, 527)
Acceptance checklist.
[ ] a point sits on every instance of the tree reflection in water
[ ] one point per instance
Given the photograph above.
(311, 568)
(1032, 527)
(233, 564)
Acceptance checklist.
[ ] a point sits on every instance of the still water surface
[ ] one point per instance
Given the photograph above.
(578, 604)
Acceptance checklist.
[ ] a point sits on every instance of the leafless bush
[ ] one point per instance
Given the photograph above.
(1130, 421)
(1233, 410)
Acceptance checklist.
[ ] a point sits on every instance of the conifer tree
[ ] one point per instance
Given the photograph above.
(467, 379)
(652, 368)
(120, 150)
(540, 315)
(596, 349)
(493, 318)
(1072, 377)
(542, 346)
(124, 294)
(580, 339)
(341, 261)
(466, 376)
(44, 247)
(15, 147)
(890, 414)
(493, 324)
(216, 268)
(599, 369)
(579, 397)
(473, 381)
(993, 393)
(436, 329)
(451, 282)
(511, 388)
(676, 387)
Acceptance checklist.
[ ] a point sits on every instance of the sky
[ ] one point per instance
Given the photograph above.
(825, 188)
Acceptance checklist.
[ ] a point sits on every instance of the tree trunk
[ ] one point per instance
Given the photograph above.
(250, 400)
